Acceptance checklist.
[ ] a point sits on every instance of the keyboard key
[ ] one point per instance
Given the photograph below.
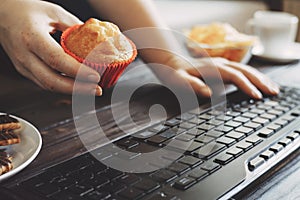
(244, 145)
(249, 115)
(47, 189)
(289, 118)
(113, 187)
(184, 183)
(285, 141)
(271, 103)
(255, 163)
(215, 122)
(195, 132)
(198, 173)
(276, 148)
(164, 176)
(204, 139)
(185, 137)
(224, 118)
(183, 146)
(191, 161)
(196, 121)
(281, 122)
(274, 127)
(235, 135)
(293, 135)
(235, 151)
(241, 119)
(158, 128)
(129, 179)
(265, 133)
(194, 146)
(172, 122)
(156, 140)
(206, 116)
(178, 168)
(66, 196)
(205, 127)
(260, 120)
(81, 189)
(233, 124)
(275, 112)
(170, 133)
(111, 173)
(163, 196)
(143, 135)
(187, 125)
(224, 129)
(257, 111)
(147, 185)
(225, 140)
(267, 154)
(253, 125)
(210, 166)
(127, 143)
(209, 150)
(254, 139)
(185, 116)
(131, 193)
(215, 134)
(223, 158)
(95, 195)
(232, 113)
(268, 116)
(245, 130)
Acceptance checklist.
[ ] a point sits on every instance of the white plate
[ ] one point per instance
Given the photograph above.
(292, 54)
(26, 151)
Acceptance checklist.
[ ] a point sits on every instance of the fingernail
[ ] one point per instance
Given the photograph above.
(206, 91)
(256, 94)
(275, 89)
(98, 91)
(94, 78)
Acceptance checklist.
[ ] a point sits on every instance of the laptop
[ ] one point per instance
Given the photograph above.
(213, 151)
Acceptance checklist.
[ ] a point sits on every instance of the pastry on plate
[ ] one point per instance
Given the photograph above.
(8, 123)
(219, 40)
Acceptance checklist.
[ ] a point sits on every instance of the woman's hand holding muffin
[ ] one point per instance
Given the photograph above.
(25, 30)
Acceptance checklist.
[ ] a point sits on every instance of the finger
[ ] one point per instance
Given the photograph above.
(240, 80)
(23, 70)
(29, 75)
(198, 86)
(53, 55)
(53, 81)
(260, 80)
(63, 19)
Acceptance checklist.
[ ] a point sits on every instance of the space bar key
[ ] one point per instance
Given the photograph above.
(209, 150)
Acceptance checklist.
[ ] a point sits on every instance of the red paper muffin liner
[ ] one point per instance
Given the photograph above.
(109, 73)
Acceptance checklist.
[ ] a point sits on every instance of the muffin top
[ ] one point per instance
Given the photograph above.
(99, 42)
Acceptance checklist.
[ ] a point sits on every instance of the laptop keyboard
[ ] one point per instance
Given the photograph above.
(216, 138)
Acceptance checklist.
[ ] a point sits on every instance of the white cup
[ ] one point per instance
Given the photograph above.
(276, 30)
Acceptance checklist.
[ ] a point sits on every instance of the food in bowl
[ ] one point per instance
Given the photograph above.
(219, 40)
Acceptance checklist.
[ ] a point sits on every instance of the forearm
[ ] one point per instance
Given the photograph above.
(156, 44)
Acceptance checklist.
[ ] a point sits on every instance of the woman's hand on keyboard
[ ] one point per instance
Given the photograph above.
(25, 30)
(214, 70)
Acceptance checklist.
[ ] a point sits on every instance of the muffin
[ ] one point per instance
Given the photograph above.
(101, 46)
(219, 40)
